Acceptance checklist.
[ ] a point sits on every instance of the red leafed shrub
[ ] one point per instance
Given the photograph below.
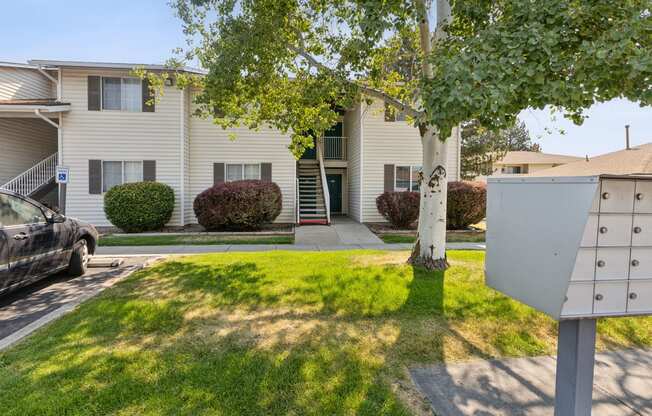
(238, 205)
(401, 209)
(467, 204)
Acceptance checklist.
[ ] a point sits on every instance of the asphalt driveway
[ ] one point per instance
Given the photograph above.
(22, 310)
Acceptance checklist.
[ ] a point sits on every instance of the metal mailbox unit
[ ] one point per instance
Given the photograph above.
(575, 248)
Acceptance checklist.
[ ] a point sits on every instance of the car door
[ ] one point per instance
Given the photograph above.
(30, 239)
(4, 260)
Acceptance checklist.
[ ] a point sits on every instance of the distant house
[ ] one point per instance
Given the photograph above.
(524, 162)
(634, 161)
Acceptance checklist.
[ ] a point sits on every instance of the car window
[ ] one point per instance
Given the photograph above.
(15, 211)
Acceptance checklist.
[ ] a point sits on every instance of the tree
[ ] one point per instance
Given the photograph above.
(482, 147)
(293, 63)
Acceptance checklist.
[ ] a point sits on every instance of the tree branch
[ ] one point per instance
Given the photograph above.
(372, 92)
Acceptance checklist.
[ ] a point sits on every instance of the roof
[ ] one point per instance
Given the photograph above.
(531, 158)
(50, 105)
(112, 65)
(635, 161)
(33, 101)
(17, 65)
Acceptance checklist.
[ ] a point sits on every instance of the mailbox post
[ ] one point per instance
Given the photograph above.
(575, 248)
(62, 176)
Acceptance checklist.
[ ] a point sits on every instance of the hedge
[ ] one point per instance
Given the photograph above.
(401, 209)
(139, 206)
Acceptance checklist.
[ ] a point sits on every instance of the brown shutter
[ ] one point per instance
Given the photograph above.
(95, 177)
(266, 172)
(148, 106)
(149, 170)
(94, 93)
(389, 178)
(218, 173)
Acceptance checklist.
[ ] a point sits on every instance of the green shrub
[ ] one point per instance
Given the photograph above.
(467, 204)
(139, 206)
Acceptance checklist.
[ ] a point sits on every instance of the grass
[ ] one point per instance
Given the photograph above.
(460, 237)
(277, 333)
(171, 240)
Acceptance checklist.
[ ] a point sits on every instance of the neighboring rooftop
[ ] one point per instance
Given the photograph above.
(533, 158)
(634, 161)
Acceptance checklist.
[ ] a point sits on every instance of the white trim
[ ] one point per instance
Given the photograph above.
(182, 158)
(361, 160)
(47, 120)
(112, 65)
(30, 107)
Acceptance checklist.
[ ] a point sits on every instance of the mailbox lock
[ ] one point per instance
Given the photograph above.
(605, 195)
(603, 230)
(635, 263)
(633, 296)
(637, 230)
(601, 263)
(639, 196)
(599, 297)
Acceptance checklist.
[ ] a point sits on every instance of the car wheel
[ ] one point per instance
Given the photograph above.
(79, 259)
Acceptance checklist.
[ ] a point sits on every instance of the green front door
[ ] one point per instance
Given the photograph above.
(335, 190)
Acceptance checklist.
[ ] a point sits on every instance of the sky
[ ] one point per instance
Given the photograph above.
(146, 31)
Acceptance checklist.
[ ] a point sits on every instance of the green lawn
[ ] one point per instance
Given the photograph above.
(450, 237)
(277, 333)
(171, 240)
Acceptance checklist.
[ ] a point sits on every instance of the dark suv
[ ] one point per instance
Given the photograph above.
(36, 242)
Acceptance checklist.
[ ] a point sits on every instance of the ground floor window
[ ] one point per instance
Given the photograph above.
(240, 171)
(406, 178)
(511, 169)
(118, 172)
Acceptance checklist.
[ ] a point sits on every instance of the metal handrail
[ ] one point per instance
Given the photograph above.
(296, 197)
(335, 147)
(35, 177)
(324, 184)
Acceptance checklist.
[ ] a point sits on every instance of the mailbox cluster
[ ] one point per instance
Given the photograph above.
(573, 247)
(613, 269)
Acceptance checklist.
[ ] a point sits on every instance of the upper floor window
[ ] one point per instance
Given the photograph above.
(392, 114)
(240, 171)
(407, 178)
(124, 94)
(119, 172)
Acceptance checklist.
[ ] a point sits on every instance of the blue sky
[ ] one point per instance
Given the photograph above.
(146, 31)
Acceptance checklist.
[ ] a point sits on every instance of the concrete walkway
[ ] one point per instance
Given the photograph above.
(526, 386)
(342, 231)
(223, 248)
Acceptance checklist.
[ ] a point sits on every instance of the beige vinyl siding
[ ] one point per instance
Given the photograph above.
(24, 83)
(210, 144)
(395, 143)
(23, 143)
(117, 135)
(352, 130)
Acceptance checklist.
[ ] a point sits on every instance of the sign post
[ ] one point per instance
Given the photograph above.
(62, 177)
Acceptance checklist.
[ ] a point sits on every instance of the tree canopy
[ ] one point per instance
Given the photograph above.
(293, 63)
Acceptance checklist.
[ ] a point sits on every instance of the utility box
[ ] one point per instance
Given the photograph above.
(572, 247)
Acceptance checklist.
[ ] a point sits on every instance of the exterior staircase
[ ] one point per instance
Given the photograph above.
(34, 179)
(312, 206)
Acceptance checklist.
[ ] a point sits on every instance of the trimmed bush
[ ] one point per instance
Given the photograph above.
(238, 205)
(401, 209)
(139, 206)
(467, 204)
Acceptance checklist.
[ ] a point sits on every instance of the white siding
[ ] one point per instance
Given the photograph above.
(211, 144)
(117, 135)
(24, 83)
(395, 143)
(352, 130)
(23, 143)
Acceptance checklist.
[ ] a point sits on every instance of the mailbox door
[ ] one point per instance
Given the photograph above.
(584, 268)
(640, 266)
(617, 196)
(590, 236)
(640, 297)
(615, 230)
(579, 300)
(610, 297)
(642, 230)
(612, 263)
(643, 197)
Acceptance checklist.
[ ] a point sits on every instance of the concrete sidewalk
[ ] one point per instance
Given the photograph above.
(342, 231)
(526, 386)
(223, 248)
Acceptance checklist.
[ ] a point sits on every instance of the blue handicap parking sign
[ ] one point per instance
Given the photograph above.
(62, 174)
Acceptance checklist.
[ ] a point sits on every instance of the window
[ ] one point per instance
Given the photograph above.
(392, 114)
(15, 211)
(123, 94)
(119, 172)
(511, 169)
(240, 171)
(407, 178)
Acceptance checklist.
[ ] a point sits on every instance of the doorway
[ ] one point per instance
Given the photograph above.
(334, 181)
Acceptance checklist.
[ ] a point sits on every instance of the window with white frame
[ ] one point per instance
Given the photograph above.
(406, 177)
(393, 114)
(118, 172)
(124, 94)
(240, 171)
